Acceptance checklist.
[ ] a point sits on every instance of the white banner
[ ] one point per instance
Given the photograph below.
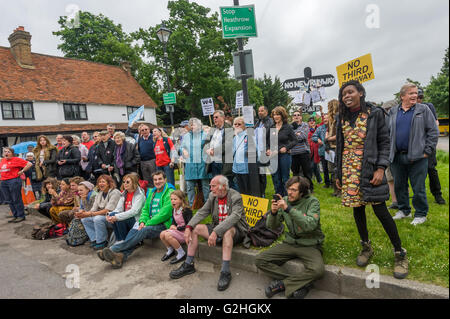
(239, 99)
(208, 106)
(247, 113)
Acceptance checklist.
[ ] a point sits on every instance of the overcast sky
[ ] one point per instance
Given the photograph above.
(410, 41)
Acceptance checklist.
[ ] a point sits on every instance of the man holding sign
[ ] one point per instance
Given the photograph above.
(301, 213)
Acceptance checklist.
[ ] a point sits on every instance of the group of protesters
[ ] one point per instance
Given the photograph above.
(125, 182)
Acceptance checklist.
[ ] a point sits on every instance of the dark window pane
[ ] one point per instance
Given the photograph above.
(83, 114)
(27, 111)
(18, 114)
(7, 110)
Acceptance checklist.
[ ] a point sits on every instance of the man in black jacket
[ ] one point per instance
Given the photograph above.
(105, 152)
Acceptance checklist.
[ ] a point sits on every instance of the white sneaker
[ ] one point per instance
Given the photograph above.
(401, 215)
(418, 221)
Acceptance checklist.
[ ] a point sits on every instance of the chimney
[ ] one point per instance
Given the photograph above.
(126, 66)
(20, 41)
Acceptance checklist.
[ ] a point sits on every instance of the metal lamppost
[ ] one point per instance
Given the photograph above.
(163, 36)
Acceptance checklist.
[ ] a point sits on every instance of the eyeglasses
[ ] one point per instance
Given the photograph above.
(293, 190)
(238, 124)
(127, 182)
(297, 115)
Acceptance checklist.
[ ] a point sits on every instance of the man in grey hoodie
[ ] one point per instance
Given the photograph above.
(413, 136)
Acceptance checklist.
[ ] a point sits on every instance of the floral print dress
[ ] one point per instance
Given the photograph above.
(352, 156)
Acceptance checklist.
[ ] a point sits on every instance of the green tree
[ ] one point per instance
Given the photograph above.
(198, 58)
(97, 39)
(437, 91)
(273, 92)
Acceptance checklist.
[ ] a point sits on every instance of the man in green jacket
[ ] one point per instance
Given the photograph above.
(301, 213)
(156, 216)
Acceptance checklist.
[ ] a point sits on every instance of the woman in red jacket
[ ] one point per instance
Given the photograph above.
(164, 152)
(10, 170)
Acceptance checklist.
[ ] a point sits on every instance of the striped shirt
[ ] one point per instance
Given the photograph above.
(302, 135)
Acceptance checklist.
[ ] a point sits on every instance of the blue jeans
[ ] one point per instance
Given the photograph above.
(281, 176)
(190, 189)
(135, 236)
(416, 172)
(316, 171)
(169, 173)
(12, 192)
(121, 228)
(97, 228)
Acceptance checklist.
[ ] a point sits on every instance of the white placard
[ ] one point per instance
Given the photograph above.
(329, 156)
(323, 95)
(315, 95)
(247, 113)
(298, 99)
(307, 99)
(239, 99)
(208, 106)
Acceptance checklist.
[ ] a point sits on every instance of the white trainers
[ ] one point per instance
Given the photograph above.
(418, 221)
(401, 215)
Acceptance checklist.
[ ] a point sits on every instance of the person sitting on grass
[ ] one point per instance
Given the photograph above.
(229, 227)
(174, 236)
(301, 213)
(156, 216)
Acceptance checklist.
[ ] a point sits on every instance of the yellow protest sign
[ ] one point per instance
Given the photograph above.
(254, 208)
(360, 69)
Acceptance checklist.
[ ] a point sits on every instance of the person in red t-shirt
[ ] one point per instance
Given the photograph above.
(86, 140)
(164, 161)
(10, 170)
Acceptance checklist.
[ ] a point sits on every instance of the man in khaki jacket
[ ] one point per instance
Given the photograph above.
(228, 228)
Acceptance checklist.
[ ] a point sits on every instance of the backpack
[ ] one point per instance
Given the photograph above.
(76, 235)
(260, 235)
(57, 230)
(41, 232)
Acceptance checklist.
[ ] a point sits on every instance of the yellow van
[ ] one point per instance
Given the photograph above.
(443, 126)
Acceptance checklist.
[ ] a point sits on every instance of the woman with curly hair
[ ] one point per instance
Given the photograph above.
(362, 155)
(45, 154)
(283, 133)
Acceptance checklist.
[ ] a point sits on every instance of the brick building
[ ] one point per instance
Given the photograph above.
(42, 94)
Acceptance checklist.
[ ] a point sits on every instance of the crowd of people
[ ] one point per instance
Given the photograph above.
(124, 184)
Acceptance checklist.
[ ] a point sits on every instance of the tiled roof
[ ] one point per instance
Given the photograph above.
(58, 79)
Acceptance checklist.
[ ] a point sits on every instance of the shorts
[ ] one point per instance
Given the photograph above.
(389, 176)
(238, 237)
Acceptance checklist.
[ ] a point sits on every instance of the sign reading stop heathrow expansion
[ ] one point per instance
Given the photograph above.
(238, 22)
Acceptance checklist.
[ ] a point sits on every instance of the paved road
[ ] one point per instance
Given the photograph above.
(41, 269)
(443, 143)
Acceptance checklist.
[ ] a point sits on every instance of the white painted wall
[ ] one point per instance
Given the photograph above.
(48, 113)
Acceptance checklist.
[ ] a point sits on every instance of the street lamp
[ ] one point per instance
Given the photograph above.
(163, 35)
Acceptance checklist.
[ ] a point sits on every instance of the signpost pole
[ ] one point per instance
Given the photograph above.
(167, 78)
(240, 42)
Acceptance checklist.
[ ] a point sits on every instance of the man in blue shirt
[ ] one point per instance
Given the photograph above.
(146, 150)
(413, 136)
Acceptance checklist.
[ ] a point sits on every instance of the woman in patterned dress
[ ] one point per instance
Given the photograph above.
(362, 155)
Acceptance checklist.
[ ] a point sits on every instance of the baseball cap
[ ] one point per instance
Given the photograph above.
(184, 123)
